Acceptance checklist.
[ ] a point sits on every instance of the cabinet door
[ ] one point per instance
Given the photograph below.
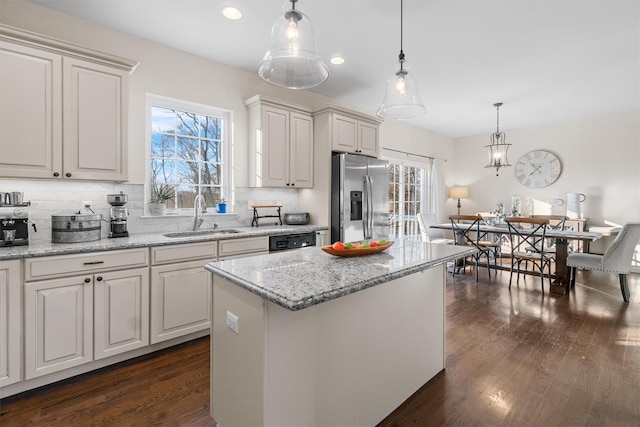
(180, 300)
(274, 150)
(10, 322)
(30, 112)
(368, 139)
(94, 99)
(121, 311)
(344, 133)
(58, 324)
(301, 151)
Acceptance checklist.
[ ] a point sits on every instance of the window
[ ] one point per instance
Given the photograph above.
(408, 187)
(189, 150)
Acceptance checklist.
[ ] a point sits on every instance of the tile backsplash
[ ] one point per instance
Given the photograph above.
(52, 198)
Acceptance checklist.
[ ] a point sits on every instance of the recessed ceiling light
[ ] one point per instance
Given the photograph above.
(232, 13)
(337, 60)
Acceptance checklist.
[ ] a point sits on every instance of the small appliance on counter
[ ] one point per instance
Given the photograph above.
(14, 221)
(296, 218)
(118, 224)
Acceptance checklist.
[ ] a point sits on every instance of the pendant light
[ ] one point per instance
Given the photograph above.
(498, 147)
(401, 98)
(292, 60)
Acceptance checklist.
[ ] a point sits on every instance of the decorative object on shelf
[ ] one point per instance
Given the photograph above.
(574, 205)
(221, 206)
(538, 168)
(160, 195)
(515, 205)
(256, 217)
(292, 60)
(355, 251)
(459, 193)
(498, 147)
(401, 98)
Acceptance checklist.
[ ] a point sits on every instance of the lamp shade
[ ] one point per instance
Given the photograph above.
(458, 192)
(292, 60)
(401, 98)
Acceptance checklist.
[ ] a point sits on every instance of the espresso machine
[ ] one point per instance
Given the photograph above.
(118, 224)
(14, 222)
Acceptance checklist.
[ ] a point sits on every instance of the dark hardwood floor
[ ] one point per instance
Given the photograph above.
(514, 358)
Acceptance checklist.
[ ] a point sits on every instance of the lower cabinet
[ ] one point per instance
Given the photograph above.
(74, 320)
(180, 290)
(10, 322)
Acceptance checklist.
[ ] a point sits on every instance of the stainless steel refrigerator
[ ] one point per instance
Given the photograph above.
(359, 198)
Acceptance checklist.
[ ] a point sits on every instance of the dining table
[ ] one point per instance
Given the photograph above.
(561, 282)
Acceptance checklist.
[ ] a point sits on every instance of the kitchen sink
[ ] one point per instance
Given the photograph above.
(201, 232)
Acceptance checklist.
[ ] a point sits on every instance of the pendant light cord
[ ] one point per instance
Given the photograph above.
(401, 56)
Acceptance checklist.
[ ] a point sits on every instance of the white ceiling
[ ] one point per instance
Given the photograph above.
(546, 60)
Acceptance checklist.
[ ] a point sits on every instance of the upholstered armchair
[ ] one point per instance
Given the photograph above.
(616, 259)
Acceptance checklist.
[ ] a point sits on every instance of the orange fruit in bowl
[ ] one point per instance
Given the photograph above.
(338, 246)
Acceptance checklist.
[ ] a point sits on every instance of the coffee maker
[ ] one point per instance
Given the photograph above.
(118, 225)
(14, 221)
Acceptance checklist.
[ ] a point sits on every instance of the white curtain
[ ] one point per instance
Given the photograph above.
(438, 190)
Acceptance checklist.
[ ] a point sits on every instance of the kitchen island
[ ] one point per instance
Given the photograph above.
(303, 338)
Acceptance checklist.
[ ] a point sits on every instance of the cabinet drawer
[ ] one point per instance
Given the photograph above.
(67, 265)
(241, 246)
(177, 253)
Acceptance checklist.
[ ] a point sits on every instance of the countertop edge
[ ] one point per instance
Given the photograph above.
(336, 293)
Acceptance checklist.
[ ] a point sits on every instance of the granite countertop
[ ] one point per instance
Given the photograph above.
(38, 249)
(305, 277)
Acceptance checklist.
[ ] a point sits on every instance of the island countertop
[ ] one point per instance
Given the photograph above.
(302, 278)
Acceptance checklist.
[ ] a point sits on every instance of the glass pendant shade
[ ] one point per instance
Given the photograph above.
(401, 98)
(292, 61)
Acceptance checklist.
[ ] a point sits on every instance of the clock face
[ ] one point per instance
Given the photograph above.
(538, 169)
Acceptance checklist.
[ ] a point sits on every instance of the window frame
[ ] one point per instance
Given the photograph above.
(153, 100)
(422, 207)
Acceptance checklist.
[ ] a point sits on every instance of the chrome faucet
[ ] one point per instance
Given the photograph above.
(199, 209)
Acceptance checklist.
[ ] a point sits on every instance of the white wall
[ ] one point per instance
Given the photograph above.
(600, 157)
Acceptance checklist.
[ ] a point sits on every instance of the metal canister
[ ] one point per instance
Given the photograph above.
(75, 228)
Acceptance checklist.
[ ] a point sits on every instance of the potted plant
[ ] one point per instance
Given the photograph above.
(159, 197)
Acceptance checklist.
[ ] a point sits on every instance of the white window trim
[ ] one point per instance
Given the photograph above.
(152, 100)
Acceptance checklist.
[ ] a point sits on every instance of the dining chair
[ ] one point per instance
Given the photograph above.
(556, 222)
(488, 240)
(466, 231)
(527, 236)
(616, 259)
(431, 235)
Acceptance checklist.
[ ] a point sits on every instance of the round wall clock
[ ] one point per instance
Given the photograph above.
(538, 168)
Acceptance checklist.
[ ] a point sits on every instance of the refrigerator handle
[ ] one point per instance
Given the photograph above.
(368, 217)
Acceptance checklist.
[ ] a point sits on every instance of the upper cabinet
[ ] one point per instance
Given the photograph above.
(349, 131)
(280, 144)
(63, 108)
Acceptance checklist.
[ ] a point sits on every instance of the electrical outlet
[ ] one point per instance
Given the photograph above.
(232, 322)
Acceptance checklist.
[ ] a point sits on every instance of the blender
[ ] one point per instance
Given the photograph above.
(118, 224)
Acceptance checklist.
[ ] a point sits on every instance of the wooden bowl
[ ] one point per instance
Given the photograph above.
(356, 252)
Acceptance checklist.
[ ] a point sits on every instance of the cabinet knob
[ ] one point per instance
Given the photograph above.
(68, 174)
(288, 184)
(56, 174)
(293, 185)
(87, 280)
(99, 278)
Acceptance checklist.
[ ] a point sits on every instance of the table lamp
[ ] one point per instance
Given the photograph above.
(459, 193)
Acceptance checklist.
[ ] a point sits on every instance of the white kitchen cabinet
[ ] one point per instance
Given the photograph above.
(180, 290)
(67, 107)
(236, 248)
(121, 311)
(321, 238)
(280, 144)
(10, 322)
(84, 307)
(349, 131)
(58, 324)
